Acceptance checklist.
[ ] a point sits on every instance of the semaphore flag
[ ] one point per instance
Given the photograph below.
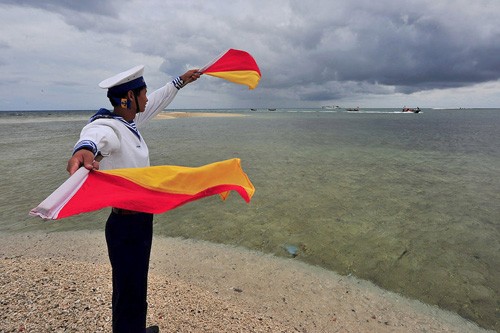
(154, 189)
(236, 66)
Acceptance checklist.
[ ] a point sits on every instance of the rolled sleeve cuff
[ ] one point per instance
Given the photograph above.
(86, 144)
(178, 83)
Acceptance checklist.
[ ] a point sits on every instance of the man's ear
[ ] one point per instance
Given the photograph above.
(130, 95)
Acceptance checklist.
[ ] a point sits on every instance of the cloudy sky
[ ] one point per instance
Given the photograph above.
(384, 53)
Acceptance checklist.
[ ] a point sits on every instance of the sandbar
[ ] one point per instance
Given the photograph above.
(61, 282)
(182, 114)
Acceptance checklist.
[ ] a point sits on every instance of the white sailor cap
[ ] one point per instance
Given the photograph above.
(121, 83)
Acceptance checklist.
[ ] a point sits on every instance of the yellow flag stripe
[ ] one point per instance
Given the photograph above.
(187, 180)
(249, 78)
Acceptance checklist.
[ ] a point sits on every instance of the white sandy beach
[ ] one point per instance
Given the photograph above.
(60, 282)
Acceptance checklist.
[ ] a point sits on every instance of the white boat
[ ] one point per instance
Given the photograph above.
(412, 110)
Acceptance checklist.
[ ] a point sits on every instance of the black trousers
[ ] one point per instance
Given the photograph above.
(129, 239)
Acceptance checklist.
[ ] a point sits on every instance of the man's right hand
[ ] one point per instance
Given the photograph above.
(84, 158)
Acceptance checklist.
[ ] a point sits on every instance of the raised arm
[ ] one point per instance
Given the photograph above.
(161, 98)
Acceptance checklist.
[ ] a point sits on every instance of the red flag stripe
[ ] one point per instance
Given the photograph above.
(115, 191)
(234, 60)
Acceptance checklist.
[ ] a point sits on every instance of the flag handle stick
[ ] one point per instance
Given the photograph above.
(204, 68)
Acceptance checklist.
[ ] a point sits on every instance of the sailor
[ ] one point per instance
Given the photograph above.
(114, 135)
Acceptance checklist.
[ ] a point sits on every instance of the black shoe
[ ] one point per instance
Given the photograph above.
(153, 329)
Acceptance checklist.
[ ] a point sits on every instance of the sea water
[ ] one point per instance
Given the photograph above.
(408, 201)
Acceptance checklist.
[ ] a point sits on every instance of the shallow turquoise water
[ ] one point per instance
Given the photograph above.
(409, 201)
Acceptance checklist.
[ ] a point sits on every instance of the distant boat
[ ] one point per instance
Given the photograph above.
(253, 109)
(272, 109)
(411, 110)
(353, 109)
(330, 107)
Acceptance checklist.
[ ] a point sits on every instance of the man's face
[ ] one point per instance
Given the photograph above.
(142, 99)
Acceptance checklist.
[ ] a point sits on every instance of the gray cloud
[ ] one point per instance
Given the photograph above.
(307, 52)
(106, 8)
(412, 50)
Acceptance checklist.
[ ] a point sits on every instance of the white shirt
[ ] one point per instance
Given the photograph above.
(119, 141)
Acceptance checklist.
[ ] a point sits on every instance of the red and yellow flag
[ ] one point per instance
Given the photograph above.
(154, 189)
(236, 66)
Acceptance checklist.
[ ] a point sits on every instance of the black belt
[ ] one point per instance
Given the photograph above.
(120, 211)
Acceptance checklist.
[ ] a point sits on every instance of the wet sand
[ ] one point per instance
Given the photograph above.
(61, 282)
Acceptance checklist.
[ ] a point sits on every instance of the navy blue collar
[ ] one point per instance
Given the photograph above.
(106, 114)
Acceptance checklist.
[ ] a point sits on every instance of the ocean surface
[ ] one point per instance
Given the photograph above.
(408, 201)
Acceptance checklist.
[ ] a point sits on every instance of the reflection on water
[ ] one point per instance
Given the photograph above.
(409, 201)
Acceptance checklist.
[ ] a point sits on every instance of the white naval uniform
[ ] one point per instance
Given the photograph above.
(119, 141)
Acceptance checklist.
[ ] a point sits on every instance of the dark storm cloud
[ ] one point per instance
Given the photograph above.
(107, 8)
(412, 46)
(389, 43)
(96, 15)
(307, 51)
(421, 55)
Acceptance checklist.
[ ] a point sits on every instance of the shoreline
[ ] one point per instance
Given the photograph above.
(62, 280)
(162, 115)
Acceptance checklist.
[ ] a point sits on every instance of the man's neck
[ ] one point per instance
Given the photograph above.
(127, 114)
